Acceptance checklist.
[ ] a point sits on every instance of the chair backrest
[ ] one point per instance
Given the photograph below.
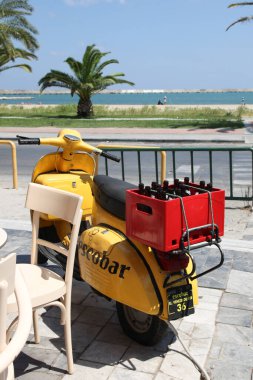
(61, 204)
(12, 280)
(7, 281)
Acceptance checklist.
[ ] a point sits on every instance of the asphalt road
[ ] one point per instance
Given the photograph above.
(27, 156)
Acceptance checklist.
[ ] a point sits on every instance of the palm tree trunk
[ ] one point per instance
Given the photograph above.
(84, 108)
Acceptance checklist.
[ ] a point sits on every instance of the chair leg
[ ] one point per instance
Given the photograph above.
(68, 342)
(36, 326)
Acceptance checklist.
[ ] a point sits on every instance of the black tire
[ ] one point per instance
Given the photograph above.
(143, 328)
(41, 258)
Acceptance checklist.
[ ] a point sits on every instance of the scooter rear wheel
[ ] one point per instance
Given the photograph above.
(143, 328)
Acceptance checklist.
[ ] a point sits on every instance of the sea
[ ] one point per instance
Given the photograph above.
(134, 98)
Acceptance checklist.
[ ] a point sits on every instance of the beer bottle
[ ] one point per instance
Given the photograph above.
(187, 190)
(202, 185)
(164, 195)
(165, 185)
(141, 188)
(158, 194)
(177, 189)
(147, 191)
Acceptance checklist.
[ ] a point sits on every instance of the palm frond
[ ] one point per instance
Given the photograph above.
(21, 66)
(240, 4)
(240, 20)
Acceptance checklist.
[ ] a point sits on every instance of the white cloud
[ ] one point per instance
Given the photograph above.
(92, 2)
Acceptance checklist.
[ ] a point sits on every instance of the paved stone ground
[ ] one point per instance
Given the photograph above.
(219, 334)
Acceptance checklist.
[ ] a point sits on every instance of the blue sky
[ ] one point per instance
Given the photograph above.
(160, 44)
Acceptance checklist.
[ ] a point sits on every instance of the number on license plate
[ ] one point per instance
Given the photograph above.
(180, 302)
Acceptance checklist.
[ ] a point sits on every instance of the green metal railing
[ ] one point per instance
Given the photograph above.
(161, 171)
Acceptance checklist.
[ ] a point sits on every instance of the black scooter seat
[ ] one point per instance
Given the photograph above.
(110, 193)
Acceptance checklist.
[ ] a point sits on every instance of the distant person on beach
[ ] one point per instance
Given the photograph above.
(165, 100)
(243, 101)
(159, 102)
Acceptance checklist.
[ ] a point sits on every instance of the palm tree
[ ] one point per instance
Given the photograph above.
(14, 27)
(241, 19)
(86, 80)
(17, 53)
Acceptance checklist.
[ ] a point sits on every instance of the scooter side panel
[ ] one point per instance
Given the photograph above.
(75, 182)
(113, 267)
(48, 163)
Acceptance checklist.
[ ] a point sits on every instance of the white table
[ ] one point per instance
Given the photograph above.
(3, 237)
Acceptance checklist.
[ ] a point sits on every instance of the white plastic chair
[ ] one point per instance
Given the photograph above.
(47, 288)
(11, 280)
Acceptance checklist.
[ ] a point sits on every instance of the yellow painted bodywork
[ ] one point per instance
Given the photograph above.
(74, 180)
(157, 303)
(113, 266)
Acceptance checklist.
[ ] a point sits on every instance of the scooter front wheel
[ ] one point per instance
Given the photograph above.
(143, 328)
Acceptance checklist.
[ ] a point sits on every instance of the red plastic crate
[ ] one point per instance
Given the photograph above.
(160, 224)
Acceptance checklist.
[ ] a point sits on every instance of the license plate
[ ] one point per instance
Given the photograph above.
(180, 302)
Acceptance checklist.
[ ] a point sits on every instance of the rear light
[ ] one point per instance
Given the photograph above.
(172, 261)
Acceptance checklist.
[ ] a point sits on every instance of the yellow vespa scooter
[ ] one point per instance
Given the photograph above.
(150, 286)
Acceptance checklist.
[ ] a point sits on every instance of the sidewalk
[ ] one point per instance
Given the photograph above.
(153, 135)
(219, 335)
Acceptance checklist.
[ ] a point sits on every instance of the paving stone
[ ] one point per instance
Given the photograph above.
(179, 366)
(232, 316)
(83, 335)
(121, 374)
(228, 370)
(212, 301)
(215, 350)
(50, 327)
(236, 335)
(80, 290)
(239, 354)
(141, 360)
(104, 353)
(238, 301)
(97, 301)
(200, 347)
(243, 261)
(37, 375)
(186, 328)
(60, 364)
(47, 343)
(248, 237)
(203, 331)
(114, 318)
(216, 293)
(217, 280)
(202, 316)
(113, 333)
(240, 282)
(85, 370)
(95, 315)
(32, 358)
(163, 376)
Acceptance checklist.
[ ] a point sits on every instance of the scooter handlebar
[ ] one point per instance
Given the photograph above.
(22, 140)
(110, 156)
